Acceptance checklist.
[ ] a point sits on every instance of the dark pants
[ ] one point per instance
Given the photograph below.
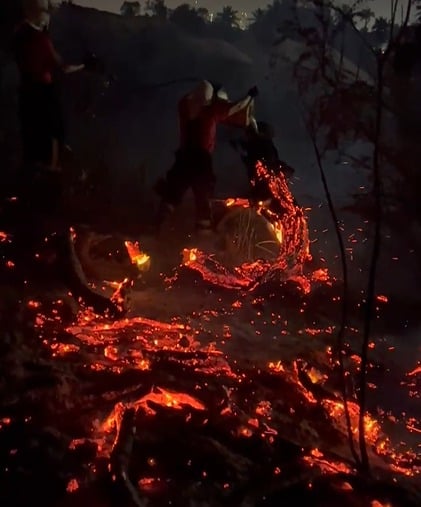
(192, 169)
(41, 122)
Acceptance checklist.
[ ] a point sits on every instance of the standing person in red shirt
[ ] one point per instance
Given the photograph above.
(40, 112)
(42, 136)
(199, 114)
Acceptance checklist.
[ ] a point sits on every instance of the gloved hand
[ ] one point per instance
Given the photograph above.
(253, 92)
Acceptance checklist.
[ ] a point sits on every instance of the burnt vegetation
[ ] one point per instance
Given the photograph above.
(247, 386)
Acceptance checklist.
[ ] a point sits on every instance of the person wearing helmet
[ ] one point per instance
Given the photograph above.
(38, 62)
(200, 111)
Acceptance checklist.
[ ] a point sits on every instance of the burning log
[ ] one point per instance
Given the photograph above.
(78, 284)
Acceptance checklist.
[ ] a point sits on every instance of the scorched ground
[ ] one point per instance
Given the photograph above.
(218, 388)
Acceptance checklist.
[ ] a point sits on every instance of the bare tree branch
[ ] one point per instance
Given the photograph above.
(371, 284)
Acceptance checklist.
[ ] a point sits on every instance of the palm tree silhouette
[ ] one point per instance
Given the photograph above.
(228, 17)
(257, 16)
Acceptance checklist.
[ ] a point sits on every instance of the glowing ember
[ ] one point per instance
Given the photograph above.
(5, 422)
(277, 367)
(415, 371)
(4, 237)
(72, 486)
(137, 257)
(316, 459)
(149, 484)
(288, 223)
(208, 388)
(212, 271)
(372, 427)
(278, 232)
(382, 299)
(237, 202)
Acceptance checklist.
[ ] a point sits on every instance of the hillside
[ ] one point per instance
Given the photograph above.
(187, 369)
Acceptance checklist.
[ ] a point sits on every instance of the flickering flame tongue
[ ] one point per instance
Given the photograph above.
(137, 257)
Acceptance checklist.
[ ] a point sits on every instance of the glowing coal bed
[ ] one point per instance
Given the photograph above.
(148, 410)
(233, 399)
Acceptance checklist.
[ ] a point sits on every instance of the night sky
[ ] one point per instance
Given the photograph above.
(381, 7)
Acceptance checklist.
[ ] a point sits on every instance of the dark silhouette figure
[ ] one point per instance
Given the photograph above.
(258, 146)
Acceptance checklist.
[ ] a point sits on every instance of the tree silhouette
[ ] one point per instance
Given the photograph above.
(130, 9)
(365, 16)
(187, 18)
(257, 16)
(157, 8)
(345, 13)
(203, 13)
(380, 30)
(343, 18)
(228, 17)
(362, 105)
(418, 8)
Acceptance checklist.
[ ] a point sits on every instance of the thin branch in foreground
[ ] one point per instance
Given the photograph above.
(371, 284)
(344, 308)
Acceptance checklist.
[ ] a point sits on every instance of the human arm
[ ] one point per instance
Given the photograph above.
(57, 60)
(224, 109)
(90, 63)
(70, 69)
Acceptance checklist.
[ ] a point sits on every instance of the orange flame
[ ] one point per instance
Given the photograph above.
(137, 257)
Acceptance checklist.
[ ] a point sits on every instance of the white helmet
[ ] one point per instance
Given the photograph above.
(38, 11)
(222, 95)
(202, 93)
(199, 97)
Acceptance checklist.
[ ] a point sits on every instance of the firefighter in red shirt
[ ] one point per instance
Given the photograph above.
(40, 113)
(199, 114)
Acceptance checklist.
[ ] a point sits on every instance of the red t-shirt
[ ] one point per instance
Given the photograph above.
(201, 131)
(35, 54)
